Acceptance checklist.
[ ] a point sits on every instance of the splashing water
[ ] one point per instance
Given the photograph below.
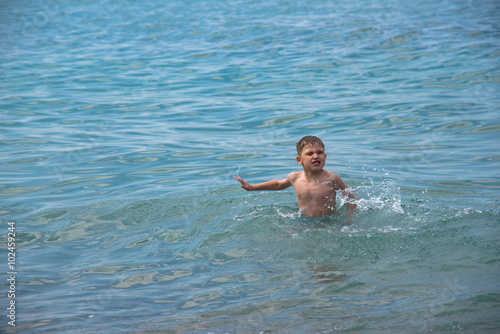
(375, 196)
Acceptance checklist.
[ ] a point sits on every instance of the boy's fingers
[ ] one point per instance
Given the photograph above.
(244, 185)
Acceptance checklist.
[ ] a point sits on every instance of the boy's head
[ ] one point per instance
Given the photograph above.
(308, 140)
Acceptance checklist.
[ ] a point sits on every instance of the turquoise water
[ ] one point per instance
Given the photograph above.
(124, 122)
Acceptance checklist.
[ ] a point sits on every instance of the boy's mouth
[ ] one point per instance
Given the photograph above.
(316, 163)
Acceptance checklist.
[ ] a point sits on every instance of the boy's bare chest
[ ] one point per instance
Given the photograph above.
(317, 189)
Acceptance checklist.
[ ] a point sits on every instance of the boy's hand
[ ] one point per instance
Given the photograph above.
(245, 185)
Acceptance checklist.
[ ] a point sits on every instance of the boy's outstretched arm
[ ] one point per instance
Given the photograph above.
(269, 185)
(340, 185)
(350, 205)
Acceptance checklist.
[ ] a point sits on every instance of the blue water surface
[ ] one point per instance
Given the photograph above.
(124, 122)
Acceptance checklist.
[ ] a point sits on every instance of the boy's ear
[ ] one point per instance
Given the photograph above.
(299, 161)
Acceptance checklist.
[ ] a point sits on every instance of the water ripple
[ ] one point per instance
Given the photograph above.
(123, 124)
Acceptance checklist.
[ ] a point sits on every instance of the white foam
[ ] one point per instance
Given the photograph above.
(375, 196)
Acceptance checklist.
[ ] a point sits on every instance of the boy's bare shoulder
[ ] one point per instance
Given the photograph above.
(336, 181)
(293, 176)
(332, 176)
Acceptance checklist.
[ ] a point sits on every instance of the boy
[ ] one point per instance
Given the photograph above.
(315, 187)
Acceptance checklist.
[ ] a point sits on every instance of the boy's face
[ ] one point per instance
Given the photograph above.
(312, 157)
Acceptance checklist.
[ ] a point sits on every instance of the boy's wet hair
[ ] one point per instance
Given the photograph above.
(308, 140)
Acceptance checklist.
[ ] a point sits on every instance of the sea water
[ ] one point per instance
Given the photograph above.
(124, 122)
